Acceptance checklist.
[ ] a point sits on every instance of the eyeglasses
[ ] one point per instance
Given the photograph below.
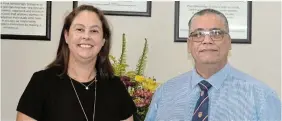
(199, 36)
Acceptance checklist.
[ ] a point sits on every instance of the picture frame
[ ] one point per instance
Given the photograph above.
(120, 8)
(238, 14)
(26, 20)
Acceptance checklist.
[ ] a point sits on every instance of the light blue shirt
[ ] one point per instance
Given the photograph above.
(234, 96)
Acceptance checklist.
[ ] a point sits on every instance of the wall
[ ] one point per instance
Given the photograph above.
(166, 59)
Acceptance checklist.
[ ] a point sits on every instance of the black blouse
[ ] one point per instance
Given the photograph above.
(51, 97)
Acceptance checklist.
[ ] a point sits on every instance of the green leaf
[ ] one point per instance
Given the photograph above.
(142, 60)
(122, 59)
(130, 74)
(114, 63)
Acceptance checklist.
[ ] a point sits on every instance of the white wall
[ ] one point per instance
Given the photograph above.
(166, 59)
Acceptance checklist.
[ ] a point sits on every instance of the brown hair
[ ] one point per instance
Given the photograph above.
(103, 65)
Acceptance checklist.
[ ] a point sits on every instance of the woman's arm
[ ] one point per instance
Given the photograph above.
(129, 119)
(23, 117)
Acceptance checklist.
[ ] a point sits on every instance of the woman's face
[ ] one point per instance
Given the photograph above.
(85, 36)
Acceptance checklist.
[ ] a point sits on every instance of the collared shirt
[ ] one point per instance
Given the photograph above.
(234, 96)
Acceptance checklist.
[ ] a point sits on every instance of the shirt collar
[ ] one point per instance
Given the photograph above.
(215, 80)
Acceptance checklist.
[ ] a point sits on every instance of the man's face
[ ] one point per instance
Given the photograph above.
(208, 40)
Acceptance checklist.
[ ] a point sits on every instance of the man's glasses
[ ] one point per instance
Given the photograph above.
(199, 36)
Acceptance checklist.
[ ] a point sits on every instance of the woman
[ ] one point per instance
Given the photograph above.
(79, 85)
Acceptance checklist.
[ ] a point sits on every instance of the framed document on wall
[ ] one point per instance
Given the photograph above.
(120, 8)
(238, 14)
(26, 20)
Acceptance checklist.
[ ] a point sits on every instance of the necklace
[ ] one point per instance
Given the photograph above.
(87, 87)
(80, 101)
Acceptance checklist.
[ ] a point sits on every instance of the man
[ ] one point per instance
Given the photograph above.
(213, 90)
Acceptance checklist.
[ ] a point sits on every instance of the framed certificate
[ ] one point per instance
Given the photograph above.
(238, 14)
(120, 8)
(26, 20)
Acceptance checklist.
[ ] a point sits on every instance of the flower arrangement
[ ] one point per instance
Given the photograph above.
(140, 87)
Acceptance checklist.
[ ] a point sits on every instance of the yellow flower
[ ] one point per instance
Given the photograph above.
(139, 78)
(150, 85)
(154, 87)
(149, 80)
(131, 91)
(137, 100)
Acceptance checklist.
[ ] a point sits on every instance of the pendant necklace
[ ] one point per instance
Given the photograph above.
(86, 87)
